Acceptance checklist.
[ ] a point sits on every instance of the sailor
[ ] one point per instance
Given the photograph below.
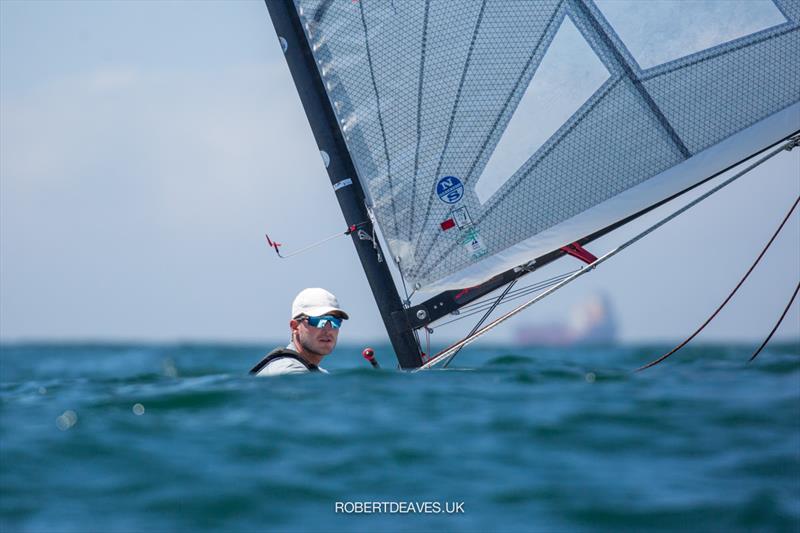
(315, 323)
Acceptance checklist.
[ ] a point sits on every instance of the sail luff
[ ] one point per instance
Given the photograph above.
(343, 176)
(379, 112)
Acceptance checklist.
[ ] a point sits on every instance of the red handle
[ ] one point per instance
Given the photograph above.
(369, 355)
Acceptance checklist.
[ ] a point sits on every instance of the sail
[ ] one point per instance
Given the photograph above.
(487, 134)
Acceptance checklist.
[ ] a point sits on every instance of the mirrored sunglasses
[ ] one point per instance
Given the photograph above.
(322, 321)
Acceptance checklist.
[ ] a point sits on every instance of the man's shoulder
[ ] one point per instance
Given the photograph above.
(282, 365)
(283, 361)
(286, 357)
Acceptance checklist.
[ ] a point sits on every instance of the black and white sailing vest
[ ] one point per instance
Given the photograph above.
(282, 353)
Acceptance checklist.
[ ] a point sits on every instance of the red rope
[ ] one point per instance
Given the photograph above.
(715, 313)
(771, 333)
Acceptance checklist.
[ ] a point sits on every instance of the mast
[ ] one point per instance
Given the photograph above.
(342, 173)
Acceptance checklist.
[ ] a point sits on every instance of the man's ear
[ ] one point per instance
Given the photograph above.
(293, 324)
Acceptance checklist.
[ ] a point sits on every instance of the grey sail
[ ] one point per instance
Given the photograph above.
(487, 134)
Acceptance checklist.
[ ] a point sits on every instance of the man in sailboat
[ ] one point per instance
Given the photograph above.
(316, 319)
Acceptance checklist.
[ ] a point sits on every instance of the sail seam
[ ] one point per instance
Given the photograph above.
(717, 51)
(577, 119)
(512, 185)
(380, 115)
(475, 161)
(631, 75)
(511, 95)
(419, 117)
(452, 117)
(784, 11)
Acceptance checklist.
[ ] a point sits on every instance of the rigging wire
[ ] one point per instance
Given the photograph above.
(492, 303)
(407, 303)
(771, 333)
(522, 291)
(487, 302)
(725, 302)
(428, 332)
(519, 293)
(276, 245)
(483, 319)
(791, 143)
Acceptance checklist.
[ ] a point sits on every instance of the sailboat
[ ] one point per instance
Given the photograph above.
(472, 143)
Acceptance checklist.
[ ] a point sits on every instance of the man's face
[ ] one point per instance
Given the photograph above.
(319, 341)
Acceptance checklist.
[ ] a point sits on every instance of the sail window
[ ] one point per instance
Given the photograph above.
(551, 98)
(658, 31)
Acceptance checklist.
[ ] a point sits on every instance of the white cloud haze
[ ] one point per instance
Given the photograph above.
(146, 147)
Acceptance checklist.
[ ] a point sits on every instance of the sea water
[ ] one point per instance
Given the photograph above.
(179, 438)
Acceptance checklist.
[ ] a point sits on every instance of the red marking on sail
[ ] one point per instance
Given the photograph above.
(578, 251)
(447, 224)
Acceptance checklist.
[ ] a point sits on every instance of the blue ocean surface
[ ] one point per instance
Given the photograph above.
(130, 437)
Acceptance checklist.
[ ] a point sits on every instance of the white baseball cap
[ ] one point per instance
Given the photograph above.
(315, 302)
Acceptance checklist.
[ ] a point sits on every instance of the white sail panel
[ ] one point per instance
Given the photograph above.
(424, 92)
(552, 95)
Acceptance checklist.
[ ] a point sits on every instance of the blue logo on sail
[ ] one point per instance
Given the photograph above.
(450, 189)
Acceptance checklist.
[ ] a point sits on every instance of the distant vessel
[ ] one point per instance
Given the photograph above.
(592, 322)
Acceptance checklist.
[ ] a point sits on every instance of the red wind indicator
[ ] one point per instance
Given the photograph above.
(274, 245)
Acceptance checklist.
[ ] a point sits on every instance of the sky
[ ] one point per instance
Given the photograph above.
(146, 147)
